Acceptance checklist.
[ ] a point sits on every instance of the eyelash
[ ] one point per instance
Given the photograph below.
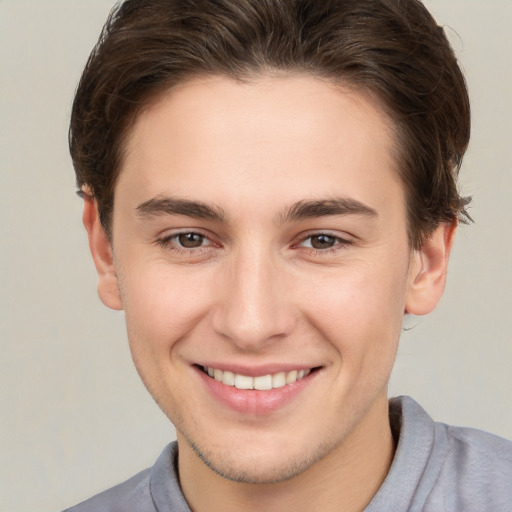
(339, 243)
(171, 243)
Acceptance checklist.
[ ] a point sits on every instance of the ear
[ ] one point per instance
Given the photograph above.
(427, 271)
(102, 254)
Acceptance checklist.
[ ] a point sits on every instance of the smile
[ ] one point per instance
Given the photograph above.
(262, 383)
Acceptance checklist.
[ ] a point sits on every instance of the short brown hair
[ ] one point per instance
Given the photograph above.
(392, 48)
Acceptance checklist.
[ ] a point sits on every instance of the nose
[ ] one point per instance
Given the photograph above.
(254, 305)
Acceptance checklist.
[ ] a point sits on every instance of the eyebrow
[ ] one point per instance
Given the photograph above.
(160, 205)
(322, 208)
(301, 210)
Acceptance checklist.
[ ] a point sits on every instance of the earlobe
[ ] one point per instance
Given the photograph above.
(428, 269)
(102, 254)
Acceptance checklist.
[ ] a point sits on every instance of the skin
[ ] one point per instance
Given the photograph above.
(264, 287)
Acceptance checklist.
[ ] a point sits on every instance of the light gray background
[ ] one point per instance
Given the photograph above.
(74, 416)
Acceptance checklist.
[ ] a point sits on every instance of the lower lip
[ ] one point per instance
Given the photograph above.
(255, 402)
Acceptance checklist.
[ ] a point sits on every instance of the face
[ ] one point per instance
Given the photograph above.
(260, 241)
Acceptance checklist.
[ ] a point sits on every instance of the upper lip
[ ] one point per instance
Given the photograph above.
(257, 370)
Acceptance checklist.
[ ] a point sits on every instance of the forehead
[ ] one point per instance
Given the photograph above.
(272, 138)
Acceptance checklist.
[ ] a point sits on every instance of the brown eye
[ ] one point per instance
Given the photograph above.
(190, 240)
(322, 241)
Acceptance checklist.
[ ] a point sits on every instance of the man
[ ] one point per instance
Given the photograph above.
(269, 186)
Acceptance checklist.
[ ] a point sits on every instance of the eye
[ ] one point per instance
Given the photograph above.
(191, 240)
(323, 242)
(185, 241)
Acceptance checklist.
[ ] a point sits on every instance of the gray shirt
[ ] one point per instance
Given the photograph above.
(437, 468)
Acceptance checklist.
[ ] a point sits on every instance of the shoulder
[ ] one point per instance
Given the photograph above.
(461, 469)
(470, 442)
(131, 495)
(477, 464)
(156, 488)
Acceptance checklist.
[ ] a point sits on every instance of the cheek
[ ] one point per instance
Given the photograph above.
(161, 308)
(361, 313)
(161, 312)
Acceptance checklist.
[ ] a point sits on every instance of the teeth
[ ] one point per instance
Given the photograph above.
(279, 380)
(262, 383)
(244, 382)
(228, 378)
(291, 377)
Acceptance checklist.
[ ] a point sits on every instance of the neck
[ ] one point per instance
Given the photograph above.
(346, 479)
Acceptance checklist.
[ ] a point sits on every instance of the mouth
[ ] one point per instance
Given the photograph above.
(261, 382)
(253, 392)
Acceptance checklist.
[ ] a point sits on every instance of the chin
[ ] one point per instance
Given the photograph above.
(259, 467)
